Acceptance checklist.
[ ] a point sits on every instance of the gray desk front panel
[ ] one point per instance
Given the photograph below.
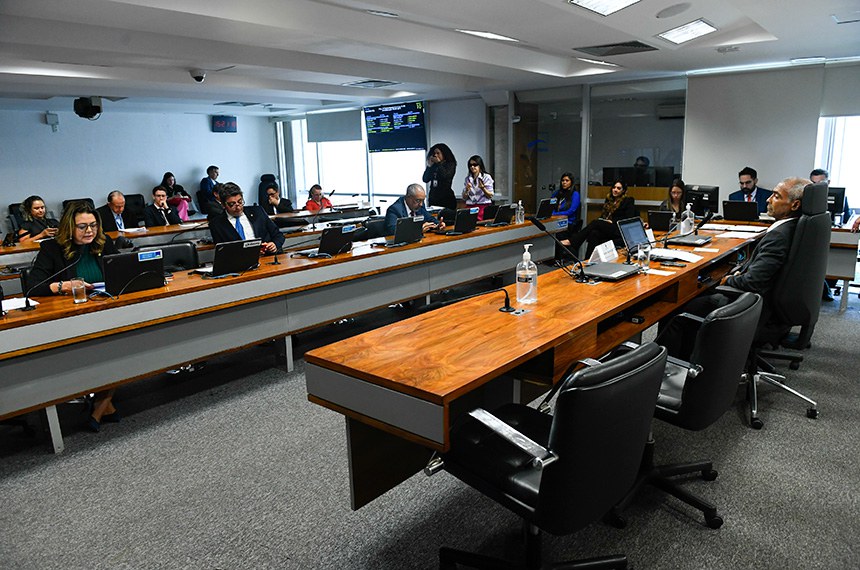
(51, 374)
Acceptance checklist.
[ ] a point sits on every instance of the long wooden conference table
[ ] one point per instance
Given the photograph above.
(402, 387)
(61, 350)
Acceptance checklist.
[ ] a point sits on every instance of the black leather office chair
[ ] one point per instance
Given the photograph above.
(87, 200)
(135, 204)
(178, 255)
(16, 218)
(265, 180)
(795, 300)
(375, 228)
(563, 471)
(202, 202)
(697, 392)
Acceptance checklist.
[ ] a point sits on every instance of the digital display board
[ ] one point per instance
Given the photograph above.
(396, 126)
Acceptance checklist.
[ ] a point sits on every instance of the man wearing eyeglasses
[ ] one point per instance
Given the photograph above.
(241, 223)
(750, 191)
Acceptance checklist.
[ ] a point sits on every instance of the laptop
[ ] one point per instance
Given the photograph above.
(691, 239)
(332, 241)
(546, 208)
(660, 220)
(504, 215)
(133, 271)
(609, 271)
(740, 211)
(465, 222)
(408, 230)
(234, 258)
(633, 232)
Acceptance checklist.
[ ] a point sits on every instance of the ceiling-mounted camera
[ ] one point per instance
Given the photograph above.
(88, 107)
(198, 75)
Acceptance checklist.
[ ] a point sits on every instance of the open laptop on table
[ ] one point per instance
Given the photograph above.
(503, 217)
(233, 258)
(332, 242)
(546, 208)
(633, 233)
(133, 271)
(465, 222)
(740, 211)
(408, 230)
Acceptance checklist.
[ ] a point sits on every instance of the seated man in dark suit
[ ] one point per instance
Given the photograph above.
(756, 274)
(159, 213)
(275, 204)
(238, 222)
(750, 191)
(410, 205)
(114, 218)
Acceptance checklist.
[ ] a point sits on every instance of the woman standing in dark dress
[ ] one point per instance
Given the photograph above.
(617, 206)
(439, 175)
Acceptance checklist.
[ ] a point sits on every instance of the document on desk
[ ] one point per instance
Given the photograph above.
(668, 254)
(133, 231)
(735, 235)
(16, 303)
(734, 228)
(652, 271)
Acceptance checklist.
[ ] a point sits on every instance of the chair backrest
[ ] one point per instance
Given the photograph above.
(265, 180)
(600, 426)
(16, 218)
(202, 202)
(721, 347)
(25, 279)
(178, 255)
(88, 200)
(375, 228)
(796, 295)
(135, 204)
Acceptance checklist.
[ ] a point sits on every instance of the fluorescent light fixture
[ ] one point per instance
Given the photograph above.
(603, 7)
(687, 32)
(596, 62)
(808, 60)
(382, 14)
(488, 35)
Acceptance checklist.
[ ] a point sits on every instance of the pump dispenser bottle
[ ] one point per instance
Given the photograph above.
(526, 278)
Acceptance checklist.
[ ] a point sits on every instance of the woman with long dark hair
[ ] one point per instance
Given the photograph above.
(439, 176)
(617, 206)
(674, 202)
(478, 186)
(37, 225)
(176, 196)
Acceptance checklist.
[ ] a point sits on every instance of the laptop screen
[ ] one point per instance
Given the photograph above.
(633, 232)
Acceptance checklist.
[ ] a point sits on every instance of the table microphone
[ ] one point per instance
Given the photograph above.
(27, 306)
(186, 230)
(708, 215)
(582, 278)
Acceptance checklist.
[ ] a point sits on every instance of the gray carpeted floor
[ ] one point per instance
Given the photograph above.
(232, 468)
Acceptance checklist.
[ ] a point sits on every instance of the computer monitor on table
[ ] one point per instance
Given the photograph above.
(702, 198)
(835, 201)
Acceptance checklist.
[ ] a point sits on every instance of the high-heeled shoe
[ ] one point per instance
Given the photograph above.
(113, 418)
(93, 424)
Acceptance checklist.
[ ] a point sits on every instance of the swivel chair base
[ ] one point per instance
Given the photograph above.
(765, 371)
(659, 476)
(450, 558)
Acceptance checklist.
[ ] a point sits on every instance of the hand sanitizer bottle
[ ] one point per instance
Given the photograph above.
(688, 220)
(527, 278)
(521, 213)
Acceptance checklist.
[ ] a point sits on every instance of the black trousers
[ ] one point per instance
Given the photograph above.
(595, 233)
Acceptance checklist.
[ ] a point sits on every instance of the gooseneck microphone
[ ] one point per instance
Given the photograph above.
(186, 230)
(27, 306)
(581, 278)
(708, 215)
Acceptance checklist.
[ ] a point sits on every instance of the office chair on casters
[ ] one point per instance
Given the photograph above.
(560, 472)
(795, 301)
(696, 393)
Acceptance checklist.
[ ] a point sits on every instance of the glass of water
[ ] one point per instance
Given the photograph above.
(643, 256)
(79, 290)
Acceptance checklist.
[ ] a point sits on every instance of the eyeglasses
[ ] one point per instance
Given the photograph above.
(472, 164)
(234, 203)
(84, 227)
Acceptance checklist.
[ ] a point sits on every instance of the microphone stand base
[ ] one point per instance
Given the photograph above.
(507, 309)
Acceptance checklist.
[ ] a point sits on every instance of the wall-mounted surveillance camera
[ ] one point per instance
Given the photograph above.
(198, 75)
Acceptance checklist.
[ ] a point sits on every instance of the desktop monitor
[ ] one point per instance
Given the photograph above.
(702, 198)
(835, 201)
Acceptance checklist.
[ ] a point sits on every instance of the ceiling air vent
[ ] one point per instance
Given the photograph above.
(616, 49)
(371, 84)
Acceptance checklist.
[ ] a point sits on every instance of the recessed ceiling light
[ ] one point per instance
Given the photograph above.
(603, 7)
(488, 35)
(672, 10)
(687, 32)
(596, 62)
(382, 13)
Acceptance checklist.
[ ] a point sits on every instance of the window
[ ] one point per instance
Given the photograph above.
(837, 146)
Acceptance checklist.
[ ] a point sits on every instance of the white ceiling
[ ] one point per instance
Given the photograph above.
(291, 56)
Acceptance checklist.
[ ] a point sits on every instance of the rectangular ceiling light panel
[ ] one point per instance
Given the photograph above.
(603, 7)
(687, 32)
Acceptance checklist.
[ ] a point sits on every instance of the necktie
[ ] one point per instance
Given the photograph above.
(164, 215)
(240, 229)
(749, 197)
(119, 223)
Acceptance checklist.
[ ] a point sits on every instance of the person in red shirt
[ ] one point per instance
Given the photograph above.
(316, 200)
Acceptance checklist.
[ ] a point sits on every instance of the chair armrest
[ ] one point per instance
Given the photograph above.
(693, 370)
(689, 316)
(541, 456)
(544, 406)
(729, 291)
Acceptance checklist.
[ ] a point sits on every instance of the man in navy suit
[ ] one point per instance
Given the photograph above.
(238, 222)
(750, 192)
(410, 205)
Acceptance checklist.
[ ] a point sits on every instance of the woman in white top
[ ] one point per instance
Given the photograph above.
(478, 187)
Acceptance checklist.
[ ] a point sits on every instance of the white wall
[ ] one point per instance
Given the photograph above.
(462, 125)
(125, 151)
(767, 120)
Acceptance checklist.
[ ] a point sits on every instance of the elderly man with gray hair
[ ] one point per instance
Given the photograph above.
(409, 206)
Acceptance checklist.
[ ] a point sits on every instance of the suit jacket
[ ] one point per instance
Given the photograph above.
(761, 196)
(757, 274)
(283, 207)
(399, 210)
(264, 228)
(152, 217)
(108, 221)
(50, 260)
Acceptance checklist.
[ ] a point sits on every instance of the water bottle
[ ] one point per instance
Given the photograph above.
(526, 278)
(688, 220)
(521, 213)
